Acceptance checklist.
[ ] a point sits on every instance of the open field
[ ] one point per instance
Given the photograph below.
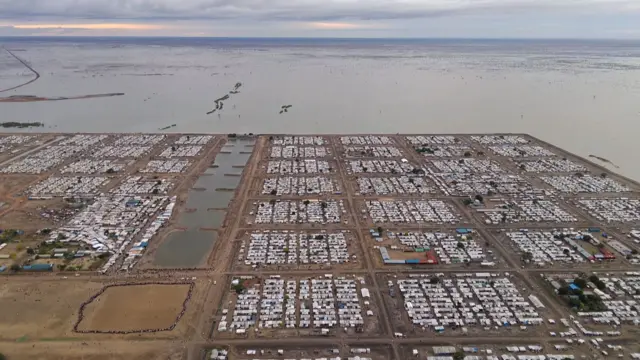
(94, 350)
(135, 308)
(42, 310)
(309, 246)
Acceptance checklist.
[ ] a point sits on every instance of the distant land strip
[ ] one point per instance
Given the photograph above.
(32, 98)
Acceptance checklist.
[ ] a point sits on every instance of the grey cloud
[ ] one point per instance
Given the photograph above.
(298, 10)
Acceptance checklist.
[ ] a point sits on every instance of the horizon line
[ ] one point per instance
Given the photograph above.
(308, 37)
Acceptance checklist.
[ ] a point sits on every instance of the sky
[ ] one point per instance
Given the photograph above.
(609, 19)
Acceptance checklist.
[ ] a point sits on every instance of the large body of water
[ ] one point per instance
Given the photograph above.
(580, 95)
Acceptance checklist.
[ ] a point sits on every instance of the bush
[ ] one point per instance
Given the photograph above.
(581, 283)
(238, 288)
(563, 290)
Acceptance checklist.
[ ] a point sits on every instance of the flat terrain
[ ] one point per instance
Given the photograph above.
(46, 309)
(93, 350)
(377, 239)
(135, 308)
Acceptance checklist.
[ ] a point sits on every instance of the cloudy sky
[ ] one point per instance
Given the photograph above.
(324, 18)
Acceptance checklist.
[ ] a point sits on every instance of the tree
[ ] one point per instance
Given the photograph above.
(274, 192)
(110, 171)
(306, 202)
(467, 154)
(380, 229)
(527, 256)
(459, 355)
(467, 201)
(238, 288)
(523, 167)
(580, 282)
(566, 252)
(603, 175)
(563, 290)
(434, 280)
(30, 251)
(634, 252)
(460, 245)
(15, 267)
(479, 198)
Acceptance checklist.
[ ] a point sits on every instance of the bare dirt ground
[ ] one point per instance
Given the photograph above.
(31, 216)
(134, 308)
(41, 310)
(94, 350)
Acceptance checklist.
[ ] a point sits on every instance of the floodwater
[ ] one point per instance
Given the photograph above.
(188, 248)
(202, 218)
(583, 96)
(185, 249)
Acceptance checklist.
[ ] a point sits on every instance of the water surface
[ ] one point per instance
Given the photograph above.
(583, 96)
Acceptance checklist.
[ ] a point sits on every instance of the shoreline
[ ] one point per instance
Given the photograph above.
(33, 98)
